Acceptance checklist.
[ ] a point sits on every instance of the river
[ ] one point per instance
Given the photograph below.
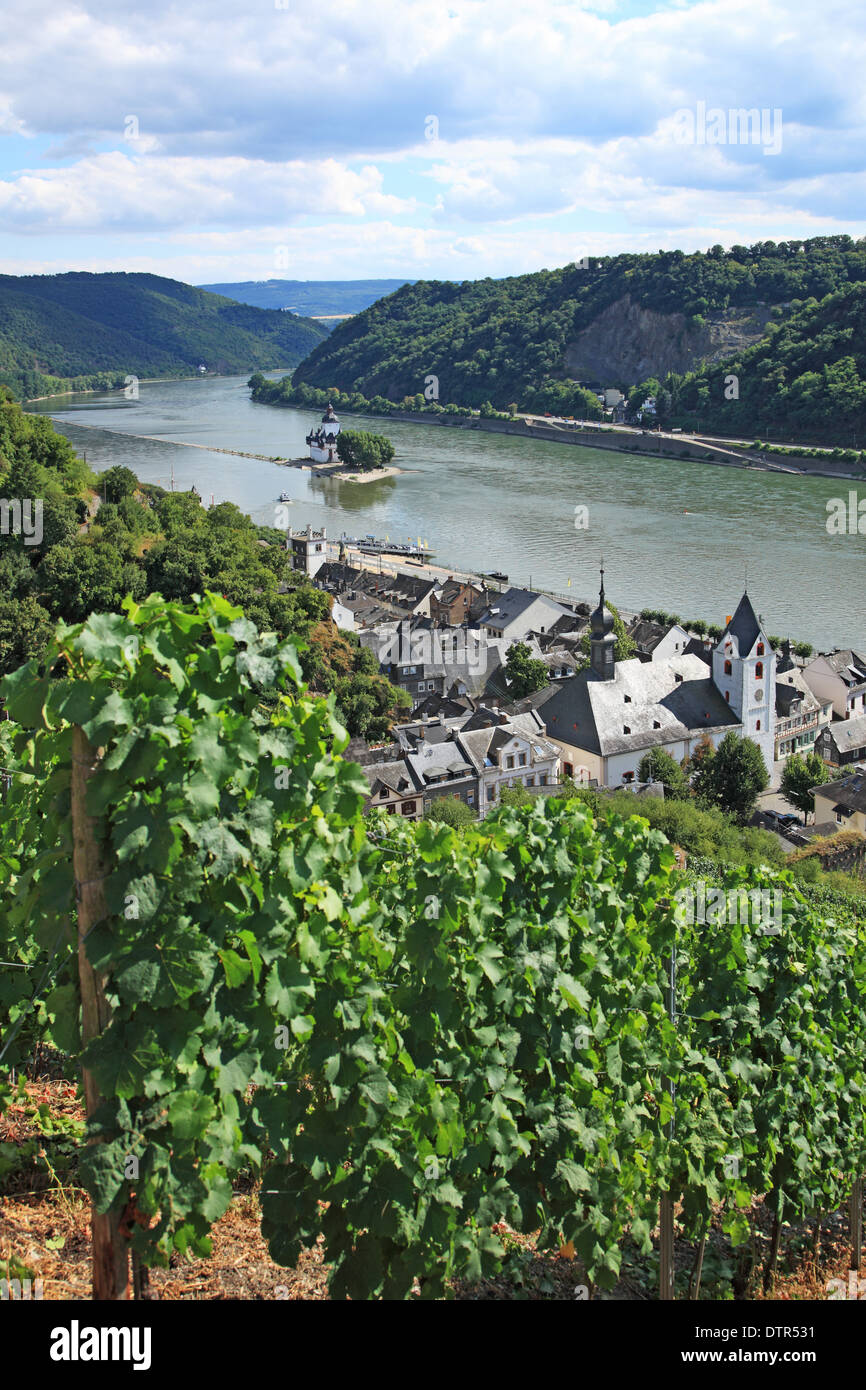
(678, 535)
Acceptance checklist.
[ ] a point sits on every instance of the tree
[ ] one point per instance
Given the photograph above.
(800, 774)
(25, 627)
(364, 451)
(450, 810)
(658, 766)
(117, 483)
(525, 673)
(517, 795)
(368, 705)
(733, 777)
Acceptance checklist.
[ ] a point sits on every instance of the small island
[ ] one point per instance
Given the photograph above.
(354, 455)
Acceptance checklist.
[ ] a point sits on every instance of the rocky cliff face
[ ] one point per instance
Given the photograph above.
(627, 343)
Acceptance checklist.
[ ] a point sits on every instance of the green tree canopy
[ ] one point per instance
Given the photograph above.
(364, 451)
(658, 765)
(450, 810)
(733, 777)
(801, 772)
(525, 673)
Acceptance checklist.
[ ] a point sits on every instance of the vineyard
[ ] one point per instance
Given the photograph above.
(413, 1041)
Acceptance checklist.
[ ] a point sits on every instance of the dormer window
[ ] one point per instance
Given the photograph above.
(679, 678)
(656, 724)
(627, 699)
(760, 649)
(626, 729)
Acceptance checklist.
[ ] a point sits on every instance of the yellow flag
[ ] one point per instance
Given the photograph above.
(569, 583)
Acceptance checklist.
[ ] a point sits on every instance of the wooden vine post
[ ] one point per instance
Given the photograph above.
(91, 868)
(856, 1223)
(666, 1204)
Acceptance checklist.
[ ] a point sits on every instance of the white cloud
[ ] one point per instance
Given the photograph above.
(115, 190)
(252, 118)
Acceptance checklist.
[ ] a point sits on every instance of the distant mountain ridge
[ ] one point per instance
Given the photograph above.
(309, 297)
(91, 328)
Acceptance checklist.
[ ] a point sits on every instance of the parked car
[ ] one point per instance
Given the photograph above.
(781, 820)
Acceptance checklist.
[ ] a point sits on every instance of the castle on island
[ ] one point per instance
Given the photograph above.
(323, 441)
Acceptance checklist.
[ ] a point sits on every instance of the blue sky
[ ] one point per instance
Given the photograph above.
(325, 139)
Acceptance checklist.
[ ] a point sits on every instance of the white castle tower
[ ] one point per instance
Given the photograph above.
(744, 670)
(323, 441)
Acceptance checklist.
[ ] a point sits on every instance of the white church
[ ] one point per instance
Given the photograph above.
(322, 442)
(607, 716)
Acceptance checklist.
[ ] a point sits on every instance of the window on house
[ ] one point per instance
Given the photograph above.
(628, 776)
(728, 696)
(509, 761)
(542, 779)
(568, 769)
(729, 670)
(491, 792)
(656, 724)
(383, 794)
(679, 678)
(521, 760)
(760, 649)
(758, 725)
(470, 798)
(408, 808)
(627, 699)
(626, 729)
(759, 671)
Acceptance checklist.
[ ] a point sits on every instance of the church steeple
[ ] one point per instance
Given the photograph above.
(602, 642)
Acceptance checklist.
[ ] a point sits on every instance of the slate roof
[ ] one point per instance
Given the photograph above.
(697, 647)
(483, 745)
(440, 762)
(647, 634)
(849, 735)
(848, 664)
(507, 608)
(849, 793)
(397, 775)
(592, 713)
(744, 626)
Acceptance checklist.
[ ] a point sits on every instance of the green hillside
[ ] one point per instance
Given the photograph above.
(513, 340)
(95, 329)
(806, 381)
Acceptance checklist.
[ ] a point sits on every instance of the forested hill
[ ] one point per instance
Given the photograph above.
(613, 322)
(81, 325)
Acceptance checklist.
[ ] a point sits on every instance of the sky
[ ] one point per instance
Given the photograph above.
(332, 139)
